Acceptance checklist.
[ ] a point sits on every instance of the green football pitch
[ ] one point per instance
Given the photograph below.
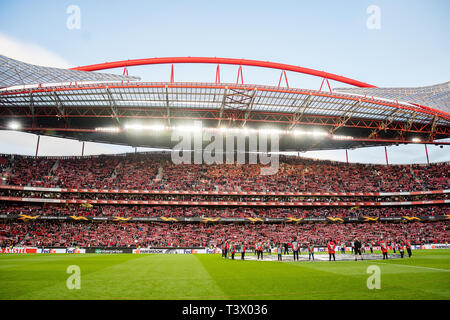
(126, 276)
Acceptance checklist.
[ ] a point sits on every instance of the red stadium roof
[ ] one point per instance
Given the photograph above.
(78, 111)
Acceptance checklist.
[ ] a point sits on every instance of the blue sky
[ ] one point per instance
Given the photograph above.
(410, 49)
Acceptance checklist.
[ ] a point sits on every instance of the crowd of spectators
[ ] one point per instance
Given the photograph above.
(223, 212)
(215, 197)
(202, 235)
(158, 172)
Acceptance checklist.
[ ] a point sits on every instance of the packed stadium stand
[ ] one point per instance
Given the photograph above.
(145, 199)
(157, 172)
(389, 202)
(199, 235)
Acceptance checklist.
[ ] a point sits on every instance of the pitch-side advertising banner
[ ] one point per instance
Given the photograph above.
(27, 250)
(175, 251)
(19, 250)
(41, 250)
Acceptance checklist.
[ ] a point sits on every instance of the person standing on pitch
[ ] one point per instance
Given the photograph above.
(357, 249)
(259, 249)
(343, 247)
(227, 248)
(401, 248)
(295, 247)
(224, 249)
(243, 251)
(384, 249)
(280, 251)
(408, 248)
(286, 248)
(371, 246)
(331, 250)
(311, 251)
(232, 250)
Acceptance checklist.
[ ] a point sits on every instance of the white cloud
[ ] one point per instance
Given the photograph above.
(30, 53)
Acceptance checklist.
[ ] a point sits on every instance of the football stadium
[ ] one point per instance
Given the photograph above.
(222, 206)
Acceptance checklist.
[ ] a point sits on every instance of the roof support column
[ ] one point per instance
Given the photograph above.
(426, 152)
(37, 146)
(385, 152)
(222, 106)
(168, 106)
(218, 74)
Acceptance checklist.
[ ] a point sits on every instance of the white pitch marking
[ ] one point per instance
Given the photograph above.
(404, 265)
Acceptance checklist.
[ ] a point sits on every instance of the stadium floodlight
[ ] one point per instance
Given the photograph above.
(270, 131)
(157, 127)
(14, 125)
(318, 133)
(339, 137)
(141, 127)
(188, 128)
(134, 127)
(108, 129)
(298, 132)
(416, 139)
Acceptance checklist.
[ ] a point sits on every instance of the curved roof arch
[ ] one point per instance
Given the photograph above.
(215, 60)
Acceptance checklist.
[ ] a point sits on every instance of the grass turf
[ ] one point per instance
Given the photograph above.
(126, 276)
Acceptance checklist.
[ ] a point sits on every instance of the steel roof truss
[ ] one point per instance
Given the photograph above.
(112, 105)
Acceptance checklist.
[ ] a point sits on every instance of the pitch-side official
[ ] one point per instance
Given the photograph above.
(286, 248)
(357, 249)
(401, 249)
(384, 249)
(243, 251)
(331, 250)
(295, 247)
(280, 251)
(259, 251)
(232, 250)
(224, 249)
(311, 251)
(408, 248)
